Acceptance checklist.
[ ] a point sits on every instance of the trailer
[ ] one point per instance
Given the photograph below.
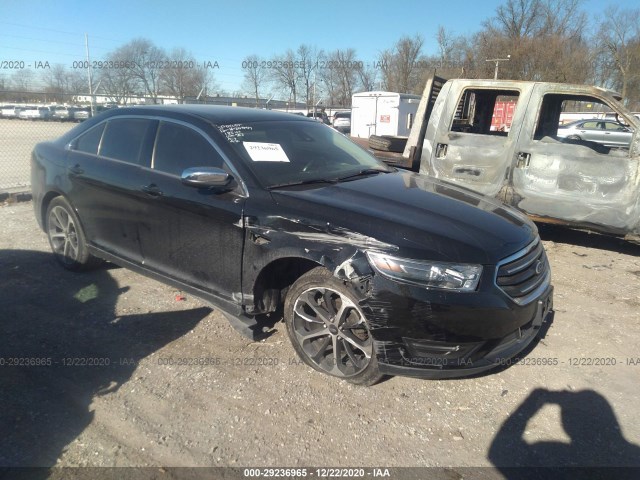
(383, 113)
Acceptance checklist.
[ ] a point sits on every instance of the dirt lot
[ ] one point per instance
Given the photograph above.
(91, 375)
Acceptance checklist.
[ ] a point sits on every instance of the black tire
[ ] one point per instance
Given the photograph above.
(66, 237)
(573, 137)
(387, 143)
(325, 309)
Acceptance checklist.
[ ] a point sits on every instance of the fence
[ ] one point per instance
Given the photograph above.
(18, 136)
(19, 133)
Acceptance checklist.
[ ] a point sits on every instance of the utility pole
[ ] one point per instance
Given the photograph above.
(498, 60)
(86, 44)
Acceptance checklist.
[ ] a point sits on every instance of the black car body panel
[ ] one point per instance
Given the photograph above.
(229, 246)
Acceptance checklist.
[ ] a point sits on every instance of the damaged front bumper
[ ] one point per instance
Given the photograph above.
(430, 334)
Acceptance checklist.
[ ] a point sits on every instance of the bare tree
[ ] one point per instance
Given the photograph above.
(204, 84)
(255, 76)
(619, 40)
(518, 18)
(544, 38)
(346, 66)
(367, 77)
(400, 65)
(445, 45)
(284, 74)
(77, 82)
(56, 82)
(180, 78)
(306, 63)
(23, 79)
(145, 61)
(120, 84)
(330, 82)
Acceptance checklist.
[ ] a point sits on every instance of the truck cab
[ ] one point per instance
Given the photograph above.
(525, 163)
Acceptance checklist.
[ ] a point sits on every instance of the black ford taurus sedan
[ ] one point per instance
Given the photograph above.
(375, 271)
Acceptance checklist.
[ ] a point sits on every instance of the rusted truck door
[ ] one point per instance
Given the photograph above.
(463, 144)
(578, 182)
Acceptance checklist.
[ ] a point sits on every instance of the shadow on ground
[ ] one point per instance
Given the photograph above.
(52, 323)
(560, 234)
(596, 443)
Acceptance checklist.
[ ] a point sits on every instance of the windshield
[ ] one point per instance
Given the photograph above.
(296, 152)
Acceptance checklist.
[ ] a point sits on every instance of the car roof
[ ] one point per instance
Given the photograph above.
(583, 120)
(220, 115)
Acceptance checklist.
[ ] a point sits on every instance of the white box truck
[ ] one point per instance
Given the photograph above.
(383, 113)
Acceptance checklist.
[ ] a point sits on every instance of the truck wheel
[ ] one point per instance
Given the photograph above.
(328, 329)
(66, 237)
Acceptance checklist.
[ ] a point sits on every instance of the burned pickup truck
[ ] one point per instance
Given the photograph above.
(529, 164)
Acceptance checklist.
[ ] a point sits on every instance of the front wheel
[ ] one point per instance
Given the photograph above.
(67, 238)
(328, 329)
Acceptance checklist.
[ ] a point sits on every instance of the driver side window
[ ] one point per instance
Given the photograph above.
(179, 147)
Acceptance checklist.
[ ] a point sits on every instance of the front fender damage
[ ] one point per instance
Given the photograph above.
(279, 239)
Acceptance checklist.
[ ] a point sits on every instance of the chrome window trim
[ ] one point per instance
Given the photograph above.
(243, 187)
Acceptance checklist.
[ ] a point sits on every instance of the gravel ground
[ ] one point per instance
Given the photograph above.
(114, 369)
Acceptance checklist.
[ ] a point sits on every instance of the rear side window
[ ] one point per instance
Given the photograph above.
(590, 125)
(90, 141)
(485, 112)
(125, 139)
(179, 147)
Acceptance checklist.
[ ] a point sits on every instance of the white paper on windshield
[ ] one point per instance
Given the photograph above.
(265, 152)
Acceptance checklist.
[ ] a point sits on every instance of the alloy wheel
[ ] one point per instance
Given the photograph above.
(332, 332)
(63, 235)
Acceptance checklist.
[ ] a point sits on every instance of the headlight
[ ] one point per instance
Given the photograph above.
(447, 276)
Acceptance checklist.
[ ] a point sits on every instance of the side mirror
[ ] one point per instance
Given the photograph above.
(200, 177)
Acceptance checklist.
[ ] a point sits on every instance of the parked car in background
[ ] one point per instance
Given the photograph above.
(22, 114)
(264, 214)
(63, 114)
(606, 132)
(342, 122)
(319, 116)
(35, 112)
(10, 111)
(81, 114)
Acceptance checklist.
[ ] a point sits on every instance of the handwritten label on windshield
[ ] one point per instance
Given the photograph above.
(234, 132)
(265, 152)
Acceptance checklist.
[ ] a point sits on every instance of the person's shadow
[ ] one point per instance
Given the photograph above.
(62, 345)
(596, 442)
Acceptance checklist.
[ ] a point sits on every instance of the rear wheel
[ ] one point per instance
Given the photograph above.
(67, 238)
(328, 329)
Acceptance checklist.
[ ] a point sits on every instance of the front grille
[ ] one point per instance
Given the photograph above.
(522, 276)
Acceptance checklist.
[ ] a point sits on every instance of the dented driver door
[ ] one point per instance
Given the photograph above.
(574, 181)
(464, 143)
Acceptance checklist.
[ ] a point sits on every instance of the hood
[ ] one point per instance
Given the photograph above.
(410, 214)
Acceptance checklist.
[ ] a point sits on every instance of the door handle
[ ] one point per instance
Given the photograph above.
(152, 190)
(523, 160)
(441, 150)
(76, 170)
(468, 171)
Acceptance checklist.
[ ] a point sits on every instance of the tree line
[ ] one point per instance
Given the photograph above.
(541, 40)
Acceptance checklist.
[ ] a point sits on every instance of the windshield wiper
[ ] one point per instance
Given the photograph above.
(301, 182)
(362, 173)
